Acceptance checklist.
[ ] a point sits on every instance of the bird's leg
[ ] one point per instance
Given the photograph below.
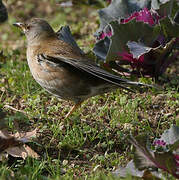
(73, 109)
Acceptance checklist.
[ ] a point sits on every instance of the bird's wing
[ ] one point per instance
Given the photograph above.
(90, 68)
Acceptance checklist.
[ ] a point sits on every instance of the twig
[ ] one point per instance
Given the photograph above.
(14, 109)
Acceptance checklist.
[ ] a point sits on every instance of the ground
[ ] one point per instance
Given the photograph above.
(92, 142)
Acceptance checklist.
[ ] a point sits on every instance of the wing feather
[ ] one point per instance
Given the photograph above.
(90, 68)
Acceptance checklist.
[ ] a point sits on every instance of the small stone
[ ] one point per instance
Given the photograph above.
(65, 162)
(127, 126)
(156, 106)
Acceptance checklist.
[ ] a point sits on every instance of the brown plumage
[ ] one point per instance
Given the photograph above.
(62, 69)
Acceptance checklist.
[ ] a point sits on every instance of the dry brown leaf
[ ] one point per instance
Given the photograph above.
(17, 152)
(25, 136)
(13, 144)
(31, 152)
(7, 141)
(22, 151)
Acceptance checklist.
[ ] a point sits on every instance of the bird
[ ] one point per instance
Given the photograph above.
(3, 12)
(63, 69)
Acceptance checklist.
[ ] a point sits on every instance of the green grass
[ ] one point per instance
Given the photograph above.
(91, 143)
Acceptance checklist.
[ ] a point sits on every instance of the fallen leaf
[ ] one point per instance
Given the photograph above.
(13, 144)
(17, 152)
(25, 136)
(31, 152)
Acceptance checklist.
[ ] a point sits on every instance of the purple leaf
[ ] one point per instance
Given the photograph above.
(165, 8)
(132, 31)
(137, 49)
(145, 158)
(145, 16)
(140, 38)
(155, 61)
(147, 57)
(166, 159)
(142, 16)
(119, 9)
(131, 170)
(107, 32)
(171, 137)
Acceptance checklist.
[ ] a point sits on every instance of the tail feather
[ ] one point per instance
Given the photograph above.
(114, 79)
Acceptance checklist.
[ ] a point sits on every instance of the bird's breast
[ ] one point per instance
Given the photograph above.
(44, 74)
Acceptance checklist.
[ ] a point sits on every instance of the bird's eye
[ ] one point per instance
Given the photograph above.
(28, 27)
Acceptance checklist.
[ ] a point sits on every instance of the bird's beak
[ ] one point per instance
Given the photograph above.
(20, 25)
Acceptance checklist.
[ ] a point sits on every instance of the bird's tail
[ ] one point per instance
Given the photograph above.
(121, 82)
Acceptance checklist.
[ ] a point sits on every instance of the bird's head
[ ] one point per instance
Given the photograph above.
(35, 29)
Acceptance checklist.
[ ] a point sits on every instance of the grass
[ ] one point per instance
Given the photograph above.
(91, 143)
